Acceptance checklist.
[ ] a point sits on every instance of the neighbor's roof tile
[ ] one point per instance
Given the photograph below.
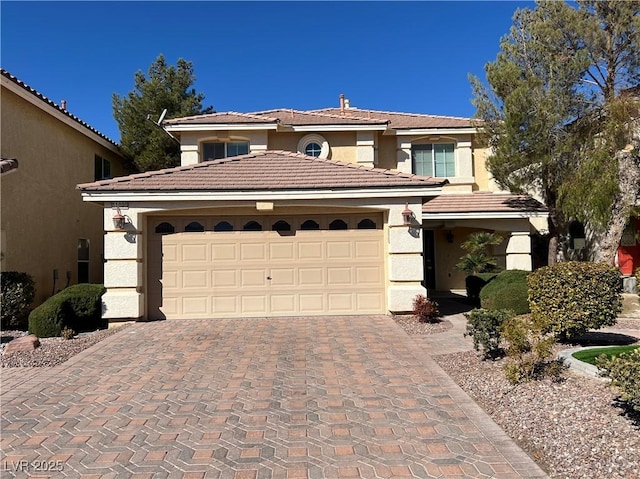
(269, 170)
(222, 117)
(482, 202)
(300, 118)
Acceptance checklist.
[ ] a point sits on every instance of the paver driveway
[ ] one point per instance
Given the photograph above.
(256, 398)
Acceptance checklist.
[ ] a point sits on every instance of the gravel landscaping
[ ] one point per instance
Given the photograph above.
(52, 351)
(574, 428)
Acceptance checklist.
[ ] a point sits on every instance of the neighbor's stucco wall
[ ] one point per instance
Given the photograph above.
(43, 215)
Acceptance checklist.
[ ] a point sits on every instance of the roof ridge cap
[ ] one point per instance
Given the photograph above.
(432, 115)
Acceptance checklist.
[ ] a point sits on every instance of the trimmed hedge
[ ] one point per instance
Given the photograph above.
(78, 307)
(574, 297)
(508, 290)
(17, 290)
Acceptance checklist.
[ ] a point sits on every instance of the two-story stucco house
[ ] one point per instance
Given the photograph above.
(46, 228)
(277, 213)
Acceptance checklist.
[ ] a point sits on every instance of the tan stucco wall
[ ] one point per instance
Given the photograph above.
(343, 144)
(387, 157)
(480, 172)
(43, 215)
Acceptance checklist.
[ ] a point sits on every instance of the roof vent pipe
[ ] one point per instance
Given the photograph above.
(346, 104)
(63, 104)
(342, 103)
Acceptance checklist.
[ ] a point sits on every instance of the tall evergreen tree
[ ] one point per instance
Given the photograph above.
(164, 87)
(560, 117)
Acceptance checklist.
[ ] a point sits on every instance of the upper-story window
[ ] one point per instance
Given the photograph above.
(214, 151)
(314, 145)
(313, 149)
(102, 169)
(434, 159)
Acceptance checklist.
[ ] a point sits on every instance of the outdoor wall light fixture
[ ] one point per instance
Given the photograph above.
(407, 215)
(449, 236)
(119, 220)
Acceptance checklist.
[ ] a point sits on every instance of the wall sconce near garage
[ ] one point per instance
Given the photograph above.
(408, 216)
(119, 220)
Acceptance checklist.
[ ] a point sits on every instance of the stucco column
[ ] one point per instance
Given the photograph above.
(365, 143)
(405, 263)
(403, 156)
(123, 271)
(519, 251)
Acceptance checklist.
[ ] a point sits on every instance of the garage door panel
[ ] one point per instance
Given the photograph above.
(253, 304)
(253, 277)
(340, 302)
(311, 276)
(281, 251)
(195, 279)
(213, 274)
(225, 278)
(341, 276)
(224, 252)
(369, 275)
(282, 304)
(282, 277)
(338, 250)
(252, 251)
(311, 250)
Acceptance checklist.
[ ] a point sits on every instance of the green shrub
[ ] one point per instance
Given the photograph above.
(624, 371)
(17, 293)
(425, 309)
(530, 350)
(86, 303)
(78, 307)
(574, 297)
(485, 326)
(508, 290)
(50, 318)
(67, 333)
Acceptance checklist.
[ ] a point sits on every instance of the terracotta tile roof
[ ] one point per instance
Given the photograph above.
(299, 118)
(7, 165)
(400, 121)
(46, 100)
(482, 202)
(269, 170)
(221, 117)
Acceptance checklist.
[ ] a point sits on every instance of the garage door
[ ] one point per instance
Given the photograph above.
(293, 271)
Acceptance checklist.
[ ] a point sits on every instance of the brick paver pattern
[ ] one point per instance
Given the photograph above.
(348, 397)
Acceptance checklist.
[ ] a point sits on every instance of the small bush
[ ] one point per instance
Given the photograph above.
(425, 310)
(624, 371)
(530, 349)
(17, 290)
(485, 326)
(78, 307)
(67, 333)
(574, 297)
(508, 290)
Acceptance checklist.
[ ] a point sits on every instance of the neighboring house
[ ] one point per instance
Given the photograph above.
(284, 212)
(46, 228)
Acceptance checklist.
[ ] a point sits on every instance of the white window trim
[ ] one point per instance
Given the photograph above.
(325, 149)
(433, 164)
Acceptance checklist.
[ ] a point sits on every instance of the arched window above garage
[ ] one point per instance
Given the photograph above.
(194, 227)
(165, 228)
(252, 226)
(223, 226)
(309, 225)
(367, 224)
(281, 225)
(338, 225)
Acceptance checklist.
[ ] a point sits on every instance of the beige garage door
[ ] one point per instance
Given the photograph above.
(270, 273)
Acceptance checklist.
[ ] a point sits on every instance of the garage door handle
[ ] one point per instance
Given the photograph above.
(268, 277)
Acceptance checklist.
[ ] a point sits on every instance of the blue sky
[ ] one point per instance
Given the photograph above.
(248, 56)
